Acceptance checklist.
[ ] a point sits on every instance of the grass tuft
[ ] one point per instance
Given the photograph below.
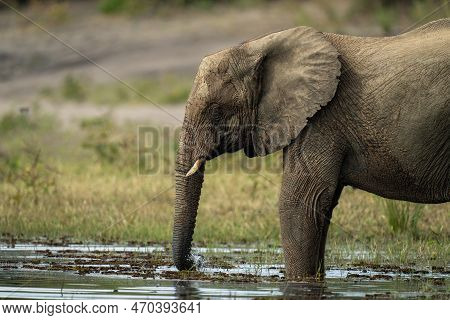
(73, 89)
(403, 217)
(122, 6)
(385, 17)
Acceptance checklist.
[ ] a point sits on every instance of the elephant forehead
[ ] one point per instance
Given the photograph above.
(200, 90)
(199, 94)
(209, 82)
(207, 77)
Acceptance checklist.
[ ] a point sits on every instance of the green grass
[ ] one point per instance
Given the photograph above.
(421, 9)
(396, 16)
(84, 185)
(394, 251)
(403, 217)
(73, 89)
(385, 17)
(134, 7)
(167, 89)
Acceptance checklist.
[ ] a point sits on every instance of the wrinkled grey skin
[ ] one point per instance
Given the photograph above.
(383, 126)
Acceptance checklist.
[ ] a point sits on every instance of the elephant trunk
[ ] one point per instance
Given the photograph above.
(187, 195)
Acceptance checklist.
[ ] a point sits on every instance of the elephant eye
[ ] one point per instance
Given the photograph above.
(217, 113)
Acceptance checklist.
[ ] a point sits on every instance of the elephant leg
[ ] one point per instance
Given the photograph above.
(327, 222)
(309, 192)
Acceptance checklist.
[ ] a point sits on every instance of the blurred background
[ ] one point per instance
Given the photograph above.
(157, 45)
(69, 168)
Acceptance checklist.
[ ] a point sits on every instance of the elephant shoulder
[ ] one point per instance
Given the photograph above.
(433, 26)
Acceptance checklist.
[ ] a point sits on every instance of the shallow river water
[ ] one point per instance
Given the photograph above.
(127, 272)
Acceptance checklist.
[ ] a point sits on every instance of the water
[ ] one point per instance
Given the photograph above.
(127, 272)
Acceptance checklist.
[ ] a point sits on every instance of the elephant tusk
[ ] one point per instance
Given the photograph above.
(194, 168)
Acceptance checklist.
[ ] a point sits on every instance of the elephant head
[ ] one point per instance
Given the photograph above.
(256, 97)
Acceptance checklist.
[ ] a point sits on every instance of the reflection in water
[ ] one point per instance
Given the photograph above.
(186, 290)
(32, 284)
(303, 290)
(110, 272)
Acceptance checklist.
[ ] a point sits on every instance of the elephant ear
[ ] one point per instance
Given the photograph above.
(299, 74)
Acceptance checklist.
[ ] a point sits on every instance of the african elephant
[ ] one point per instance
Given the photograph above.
(368, 112)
